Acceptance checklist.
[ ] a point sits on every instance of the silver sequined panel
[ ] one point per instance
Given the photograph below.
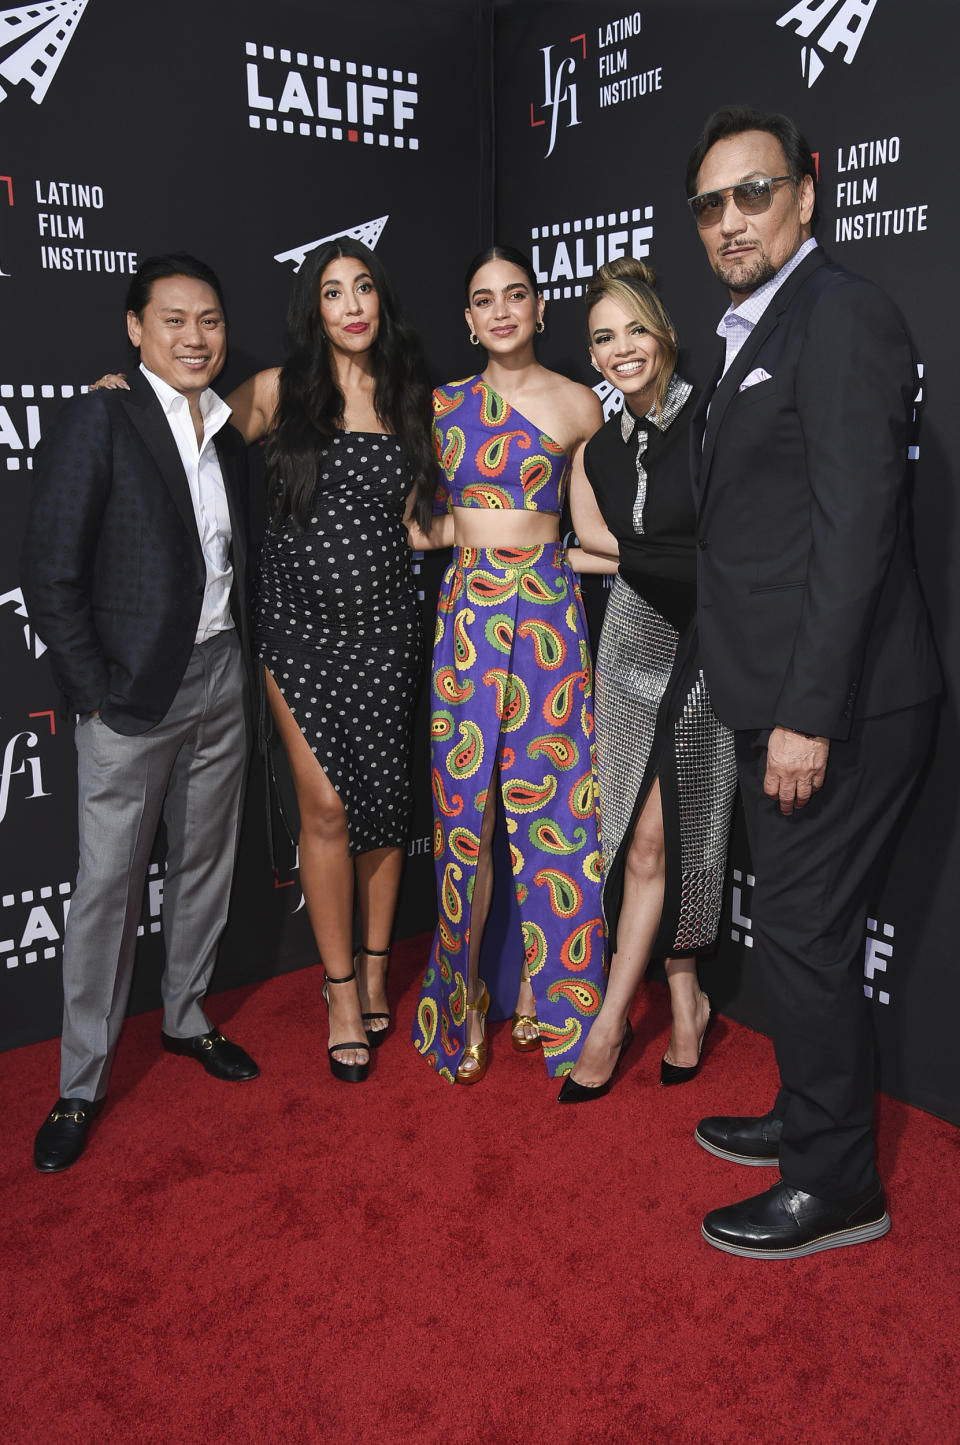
(634, 662)
(706, 782)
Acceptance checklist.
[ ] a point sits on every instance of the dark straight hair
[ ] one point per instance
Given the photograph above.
(310, 406)
(501, 253)
(734, 120)
(171, 263)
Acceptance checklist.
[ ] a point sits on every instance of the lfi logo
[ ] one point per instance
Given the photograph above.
(878, 953)
(840, 23)
(21, 759)
(559, 90)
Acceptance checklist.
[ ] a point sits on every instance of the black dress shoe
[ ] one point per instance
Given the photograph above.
(62, 1137)
(744, 1141)
(681, 1073)
(574, 1093)
(785, 1223)
(218, 1055)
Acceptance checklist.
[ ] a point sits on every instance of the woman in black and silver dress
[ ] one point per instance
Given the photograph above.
(336, 619)
(665, 764)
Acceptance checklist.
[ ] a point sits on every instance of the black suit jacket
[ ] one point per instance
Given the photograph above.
(809, 607)
(111, 568)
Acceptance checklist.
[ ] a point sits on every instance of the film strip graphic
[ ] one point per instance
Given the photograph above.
(350, 98)
(369, 232)
(41, 34)
(37, 917)
(31, 395)
(588, 239)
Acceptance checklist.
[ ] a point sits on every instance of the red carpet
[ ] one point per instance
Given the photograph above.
(297, 1259)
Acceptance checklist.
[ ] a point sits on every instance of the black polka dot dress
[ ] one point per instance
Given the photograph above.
(337, 624)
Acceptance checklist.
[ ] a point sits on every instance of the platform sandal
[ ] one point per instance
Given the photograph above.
(349, 1073)
(479, 1052)
(521, 1043)
(375, 1037)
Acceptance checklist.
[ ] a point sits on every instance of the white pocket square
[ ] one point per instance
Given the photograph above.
(754, 377)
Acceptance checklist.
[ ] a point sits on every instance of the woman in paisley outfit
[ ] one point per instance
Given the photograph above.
(336, 621)
(665, 764)
(511, 691)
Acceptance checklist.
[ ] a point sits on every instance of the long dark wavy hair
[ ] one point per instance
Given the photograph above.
(310, 405)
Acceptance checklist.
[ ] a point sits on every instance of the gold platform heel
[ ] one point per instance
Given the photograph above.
(521, 1043)
(479, 1052)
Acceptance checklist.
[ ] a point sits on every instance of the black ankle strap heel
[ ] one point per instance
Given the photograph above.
(375, 1037)
(349, 1073)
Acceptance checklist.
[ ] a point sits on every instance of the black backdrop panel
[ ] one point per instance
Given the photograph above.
(248, 132)
(598, 106)
(245, 133)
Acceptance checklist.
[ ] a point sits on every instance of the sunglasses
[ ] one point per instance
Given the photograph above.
(750, 198)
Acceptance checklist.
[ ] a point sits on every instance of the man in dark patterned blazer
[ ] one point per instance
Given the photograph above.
(133, 574)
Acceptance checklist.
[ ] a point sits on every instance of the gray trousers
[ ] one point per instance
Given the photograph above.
(190, 767)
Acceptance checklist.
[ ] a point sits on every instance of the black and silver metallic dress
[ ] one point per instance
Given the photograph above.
(653, 712)
(336, 622)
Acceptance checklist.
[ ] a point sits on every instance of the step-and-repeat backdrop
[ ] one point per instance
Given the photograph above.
(598, 107)
(250, 133)
(246, 133)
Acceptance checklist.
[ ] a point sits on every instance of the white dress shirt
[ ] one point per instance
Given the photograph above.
(207, 492)
(737, 322)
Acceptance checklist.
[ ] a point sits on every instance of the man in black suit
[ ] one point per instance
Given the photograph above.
(817, 652)
(133, 575)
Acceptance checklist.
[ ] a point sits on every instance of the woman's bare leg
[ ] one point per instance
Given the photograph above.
(378, 883)
(690, 1008)
(326, 875)
(636, 930)
(526, 1004)
(479, 910)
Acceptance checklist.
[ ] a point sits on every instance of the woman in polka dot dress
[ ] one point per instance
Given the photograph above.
(336, 617)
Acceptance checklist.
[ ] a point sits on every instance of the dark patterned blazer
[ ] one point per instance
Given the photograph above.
(810, 610)
(111, 567)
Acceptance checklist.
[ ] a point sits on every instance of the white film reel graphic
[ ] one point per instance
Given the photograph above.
(368, 232)
(40, 35)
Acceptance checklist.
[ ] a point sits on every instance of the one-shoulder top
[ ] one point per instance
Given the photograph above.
(491, 455)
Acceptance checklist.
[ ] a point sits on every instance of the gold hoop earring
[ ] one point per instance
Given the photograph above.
(594, 364)
(539, 328)
(474, 339)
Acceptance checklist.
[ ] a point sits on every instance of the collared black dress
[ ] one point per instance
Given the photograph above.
(653, 712)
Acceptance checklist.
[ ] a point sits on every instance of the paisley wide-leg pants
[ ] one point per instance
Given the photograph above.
(511, 694)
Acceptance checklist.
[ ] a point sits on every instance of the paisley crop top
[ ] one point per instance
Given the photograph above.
(492, 456)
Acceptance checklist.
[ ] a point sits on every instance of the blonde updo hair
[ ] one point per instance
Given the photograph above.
(630, 284)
